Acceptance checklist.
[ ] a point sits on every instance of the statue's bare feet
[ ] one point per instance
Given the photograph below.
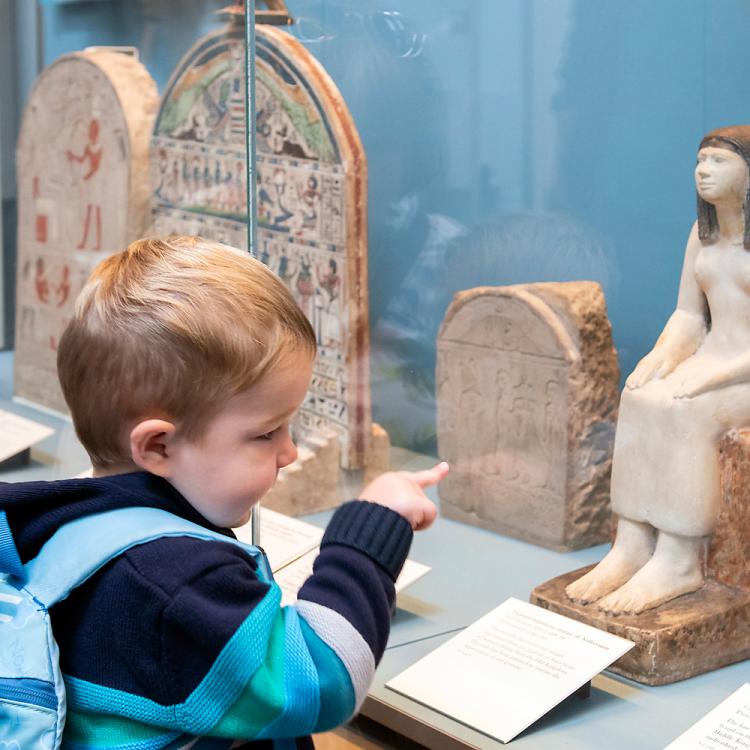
(631, 551)
(611, 573)
(673, 570)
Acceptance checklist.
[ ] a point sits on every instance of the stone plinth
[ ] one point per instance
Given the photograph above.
(379, 458)
(728, 559)
(527, 394)
(316, 481)
(312, 482)
(697, 632)
(690, 635)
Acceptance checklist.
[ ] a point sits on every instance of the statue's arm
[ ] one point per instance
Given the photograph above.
(684, 330)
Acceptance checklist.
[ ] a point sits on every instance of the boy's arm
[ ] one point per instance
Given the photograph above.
(229, 661)
(335, 634)
(234, 663)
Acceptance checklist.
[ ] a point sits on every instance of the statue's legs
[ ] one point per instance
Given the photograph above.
(633, 547)
(674, 569)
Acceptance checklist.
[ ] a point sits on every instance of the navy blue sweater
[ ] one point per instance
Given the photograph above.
(153, 622)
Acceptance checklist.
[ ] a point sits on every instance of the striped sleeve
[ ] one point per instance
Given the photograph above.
(285, 672)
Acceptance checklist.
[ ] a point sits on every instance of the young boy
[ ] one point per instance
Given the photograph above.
(182, 367)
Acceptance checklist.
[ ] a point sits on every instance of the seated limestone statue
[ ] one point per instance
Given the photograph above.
(682, 397)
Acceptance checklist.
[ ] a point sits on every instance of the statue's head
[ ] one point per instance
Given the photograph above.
(736, 141)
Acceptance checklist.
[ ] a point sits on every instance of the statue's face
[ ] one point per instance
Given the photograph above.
(720, 175)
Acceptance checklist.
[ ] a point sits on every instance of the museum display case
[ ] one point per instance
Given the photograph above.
(482, 207)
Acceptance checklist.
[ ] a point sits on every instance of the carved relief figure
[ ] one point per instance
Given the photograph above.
(471, 406)
(553, 435)
(504, 463)
(41, 283)
(90, 159)
(682, 397)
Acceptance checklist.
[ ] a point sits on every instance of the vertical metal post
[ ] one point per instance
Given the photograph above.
(250, 124)
(252, 246)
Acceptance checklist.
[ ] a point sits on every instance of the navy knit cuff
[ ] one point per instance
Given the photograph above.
(379, 532)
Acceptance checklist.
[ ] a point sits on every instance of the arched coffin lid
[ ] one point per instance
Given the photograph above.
(311, 200)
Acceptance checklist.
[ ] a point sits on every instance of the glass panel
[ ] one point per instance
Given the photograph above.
(523, 140)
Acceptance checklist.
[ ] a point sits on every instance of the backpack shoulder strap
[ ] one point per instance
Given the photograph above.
(10, 562)
(77, 550)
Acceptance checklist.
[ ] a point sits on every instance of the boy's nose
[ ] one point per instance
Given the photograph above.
(287, 454)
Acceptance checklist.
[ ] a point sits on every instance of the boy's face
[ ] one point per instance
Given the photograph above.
(229, 469)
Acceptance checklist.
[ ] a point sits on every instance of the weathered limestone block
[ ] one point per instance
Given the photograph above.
(527, 394)
(312, 482)
(694, 633)
(316, 481)
(83, 194)
(379, 457)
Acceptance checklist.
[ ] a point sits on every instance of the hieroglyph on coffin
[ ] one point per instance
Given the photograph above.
(311, 200)
(83, 193)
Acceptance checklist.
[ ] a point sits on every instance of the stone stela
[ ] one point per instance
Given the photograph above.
(527, 387)
(82, 161)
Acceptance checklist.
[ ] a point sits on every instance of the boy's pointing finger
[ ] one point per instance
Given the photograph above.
(428, 477)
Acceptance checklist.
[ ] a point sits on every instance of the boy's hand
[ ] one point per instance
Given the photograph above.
(403, 492)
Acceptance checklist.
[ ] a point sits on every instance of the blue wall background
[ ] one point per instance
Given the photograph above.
(508, 141)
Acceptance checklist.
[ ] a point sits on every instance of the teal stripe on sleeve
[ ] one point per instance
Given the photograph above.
(301, 686)
(337, 698)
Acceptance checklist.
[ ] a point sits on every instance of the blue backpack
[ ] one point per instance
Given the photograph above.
(32, 693)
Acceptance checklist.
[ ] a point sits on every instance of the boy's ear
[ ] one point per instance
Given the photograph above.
(151, 445)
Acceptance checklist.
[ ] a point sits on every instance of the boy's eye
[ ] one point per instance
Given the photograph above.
(269, 435)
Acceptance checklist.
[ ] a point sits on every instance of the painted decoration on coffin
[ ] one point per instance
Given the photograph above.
(309, 200)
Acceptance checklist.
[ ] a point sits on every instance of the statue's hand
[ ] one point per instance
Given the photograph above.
(655, 365)
(692, 387)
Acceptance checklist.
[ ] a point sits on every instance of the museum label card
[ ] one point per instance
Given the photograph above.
(725, 727)
(17, 434)
(284, 539)
(509, 668)
(291, 577)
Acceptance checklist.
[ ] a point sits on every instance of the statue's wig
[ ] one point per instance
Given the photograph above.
(735, 138)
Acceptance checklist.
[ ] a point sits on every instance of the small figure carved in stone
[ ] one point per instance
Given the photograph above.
(90, 158)
(682, 397)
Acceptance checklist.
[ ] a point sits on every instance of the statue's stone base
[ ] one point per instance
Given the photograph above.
(690, 635)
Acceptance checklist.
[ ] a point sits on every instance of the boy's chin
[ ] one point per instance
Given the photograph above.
(243, 519)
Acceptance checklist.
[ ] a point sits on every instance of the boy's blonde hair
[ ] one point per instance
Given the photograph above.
(172, 329)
